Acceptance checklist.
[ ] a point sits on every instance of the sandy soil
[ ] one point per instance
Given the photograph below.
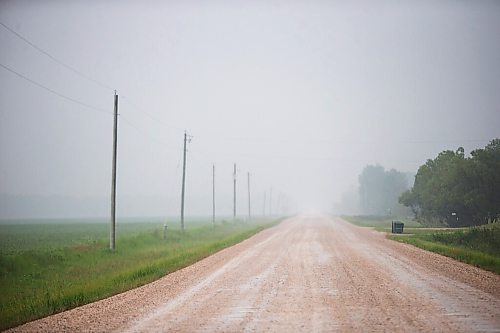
(310, 274)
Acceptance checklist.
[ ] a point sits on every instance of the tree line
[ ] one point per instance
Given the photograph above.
(379, 190)
(452, 189)
(456, 190)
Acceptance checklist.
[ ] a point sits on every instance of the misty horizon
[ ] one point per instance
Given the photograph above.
(301, 95)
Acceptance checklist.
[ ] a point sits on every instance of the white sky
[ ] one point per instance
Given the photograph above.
(301, 94)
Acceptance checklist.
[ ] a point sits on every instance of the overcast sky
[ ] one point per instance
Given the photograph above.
(302, 95)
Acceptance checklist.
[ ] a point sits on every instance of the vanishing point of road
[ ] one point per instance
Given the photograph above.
(308, 274)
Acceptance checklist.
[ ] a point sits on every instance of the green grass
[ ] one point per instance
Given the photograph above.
(382, 223)
(478, 246)
(48, 268)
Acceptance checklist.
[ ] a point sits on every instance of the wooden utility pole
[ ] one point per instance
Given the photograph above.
(278, 204)
(271, 202)
(213, 194)
(264, 205)
(234, 192)
(183, 180)
(249, 209)
(112, 234)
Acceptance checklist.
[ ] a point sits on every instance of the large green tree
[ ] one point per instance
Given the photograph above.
(458, 190)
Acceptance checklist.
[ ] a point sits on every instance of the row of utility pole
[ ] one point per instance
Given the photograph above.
(270, 202)
(234, 193)
(187, 139)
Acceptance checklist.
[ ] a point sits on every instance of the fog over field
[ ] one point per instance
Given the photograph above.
(301, 94)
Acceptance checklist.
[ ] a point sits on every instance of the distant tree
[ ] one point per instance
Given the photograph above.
(371, 185)
(456, 190)
(395, 184)
(379, 190)
(349, 202)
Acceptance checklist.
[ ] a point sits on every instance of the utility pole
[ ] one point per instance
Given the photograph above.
(187, 138)
(213, 194)
(278, 204)
(249, 209)
(271, 202)
(264, 205)
(234, 192)
(112, 234)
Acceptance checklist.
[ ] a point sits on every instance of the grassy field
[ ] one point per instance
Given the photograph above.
(50, 267)
(383, 223)
(478, 246)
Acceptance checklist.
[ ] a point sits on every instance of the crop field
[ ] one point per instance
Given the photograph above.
(478, 246)
(50, 267)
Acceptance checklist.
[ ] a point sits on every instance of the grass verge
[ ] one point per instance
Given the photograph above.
(382, 223)
(39, 278)
(478, 246)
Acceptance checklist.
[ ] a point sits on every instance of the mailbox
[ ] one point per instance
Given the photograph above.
(397, 227)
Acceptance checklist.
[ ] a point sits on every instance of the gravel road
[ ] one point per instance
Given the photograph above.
(308, 274)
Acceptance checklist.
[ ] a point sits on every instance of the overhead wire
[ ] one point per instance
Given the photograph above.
(38, 84)
(81, 74)
(142, 111)
(78, 72)
(158, 121)
(145, 113)
(267, 140)
(39, 49)
(136, 128)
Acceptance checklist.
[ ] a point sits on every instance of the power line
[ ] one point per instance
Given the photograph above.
(145, 113)
(146, 133)
(53, 91)
(39, 49)
(267, 140)
(74, 70)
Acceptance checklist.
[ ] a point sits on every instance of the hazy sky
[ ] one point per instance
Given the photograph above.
(301, 94)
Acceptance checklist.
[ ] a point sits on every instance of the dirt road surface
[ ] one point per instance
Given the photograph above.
(308, 274)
